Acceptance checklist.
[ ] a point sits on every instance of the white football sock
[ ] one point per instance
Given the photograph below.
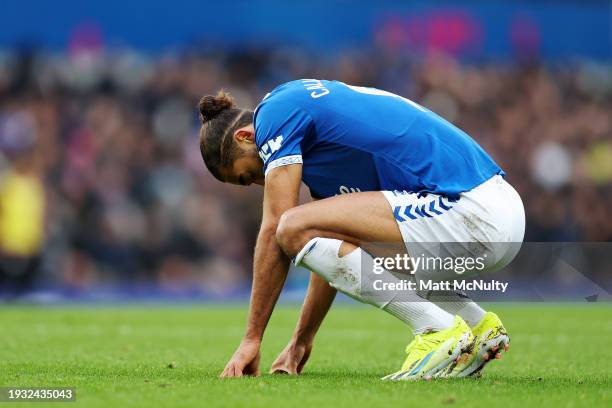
(320, 255)
(457, 303)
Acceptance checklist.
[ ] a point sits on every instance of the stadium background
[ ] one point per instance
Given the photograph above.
(104, 195)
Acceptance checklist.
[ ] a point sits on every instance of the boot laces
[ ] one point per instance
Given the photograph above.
(421, 343)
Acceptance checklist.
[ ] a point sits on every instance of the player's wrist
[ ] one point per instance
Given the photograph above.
(302, 338)
(252, 338)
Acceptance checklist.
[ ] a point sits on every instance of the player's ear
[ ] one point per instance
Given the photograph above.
(245, 134)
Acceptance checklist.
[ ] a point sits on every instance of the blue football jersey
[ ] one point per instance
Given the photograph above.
(351, 139)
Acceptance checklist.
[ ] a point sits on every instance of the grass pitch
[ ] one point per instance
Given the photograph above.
(560, 356)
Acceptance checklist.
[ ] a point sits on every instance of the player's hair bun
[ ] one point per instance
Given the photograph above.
(210, 106)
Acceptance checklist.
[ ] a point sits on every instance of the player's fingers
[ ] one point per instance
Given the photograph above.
(231, 371)
(236, 371)
(225, 372)
(289, 369)
(284, 364)
(277, 363)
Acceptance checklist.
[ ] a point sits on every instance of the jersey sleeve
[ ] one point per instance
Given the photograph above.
(279, 131)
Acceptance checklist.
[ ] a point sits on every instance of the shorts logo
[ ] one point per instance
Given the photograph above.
(413, 211)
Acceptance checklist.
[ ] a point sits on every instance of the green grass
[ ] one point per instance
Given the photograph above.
(561, 356)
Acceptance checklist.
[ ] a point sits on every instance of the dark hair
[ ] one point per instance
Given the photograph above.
(220, 118)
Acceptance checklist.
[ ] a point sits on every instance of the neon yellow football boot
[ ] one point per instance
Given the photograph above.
(429, 354)
(490, 338)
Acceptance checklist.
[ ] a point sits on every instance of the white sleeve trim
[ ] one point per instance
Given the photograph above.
(284, 161)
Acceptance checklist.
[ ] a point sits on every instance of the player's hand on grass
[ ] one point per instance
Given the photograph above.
(292, 359)
(245, 360)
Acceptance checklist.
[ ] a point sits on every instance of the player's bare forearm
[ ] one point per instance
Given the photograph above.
(269, 274)
(319, 299)
(269, 268)
(271, 264)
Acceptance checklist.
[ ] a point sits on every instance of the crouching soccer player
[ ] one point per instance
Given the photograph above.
(338, 138)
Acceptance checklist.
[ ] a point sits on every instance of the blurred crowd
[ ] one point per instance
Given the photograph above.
(102, 184)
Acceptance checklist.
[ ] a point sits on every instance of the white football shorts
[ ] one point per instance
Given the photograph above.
(487, 222)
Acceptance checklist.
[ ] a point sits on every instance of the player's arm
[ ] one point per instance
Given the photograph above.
(319, 299)
(269, 268)
(271, 264)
